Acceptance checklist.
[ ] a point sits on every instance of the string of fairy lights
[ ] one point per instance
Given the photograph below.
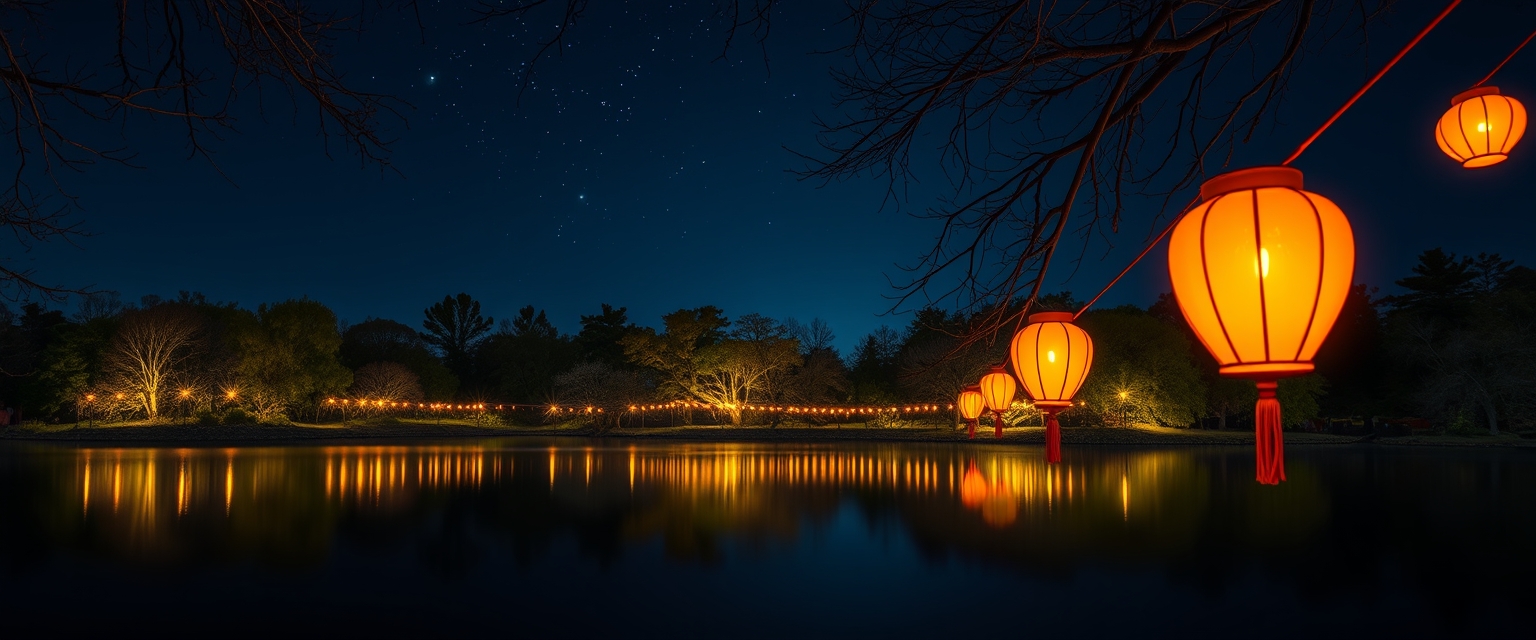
(375, 404)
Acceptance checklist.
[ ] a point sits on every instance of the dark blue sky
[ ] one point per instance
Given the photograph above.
(640, 172)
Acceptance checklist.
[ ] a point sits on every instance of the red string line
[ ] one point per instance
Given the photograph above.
(1507, 58)
(1430, 27)
(1308, 142)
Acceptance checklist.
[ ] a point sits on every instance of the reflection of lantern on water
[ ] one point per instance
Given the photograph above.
(998, 503)
(973, 487)
(1000, 508)
(1051, 357)
(971, 404)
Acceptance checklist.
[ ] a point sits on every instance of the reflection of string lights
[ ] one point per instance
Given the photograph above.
(1000, 489)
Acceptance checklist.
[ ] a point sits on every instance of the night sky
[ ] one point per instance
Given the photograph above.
(642, 172)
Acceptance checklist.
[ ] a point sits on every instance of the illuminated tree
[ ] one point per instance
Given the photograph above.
(148, 353)
(673, 353)
(381, 340)
(387, 381)
(741, 369)
(596, 384)
(1143, 369)
(289, 360)
(699, 361)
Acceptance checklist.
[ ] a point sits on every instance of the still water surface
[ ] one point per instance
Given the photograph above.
(582, 538)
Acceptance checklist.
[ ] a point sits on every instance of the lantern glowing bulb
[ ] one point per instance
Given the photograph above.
(997, 389)
(971, 404)
(1052, 357)
(1267, 325)
(1481, 127)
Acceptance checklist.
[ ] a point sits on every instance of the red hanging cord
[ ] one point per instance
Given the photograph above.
(1308, 142)
(1507, 58)
(1369, 83)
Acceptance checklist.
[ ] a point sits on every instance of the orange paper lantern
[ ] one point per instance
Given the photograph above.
(1481, 127)
(1052, 357)
(1260, 269)
(997, 389)
(971, 404)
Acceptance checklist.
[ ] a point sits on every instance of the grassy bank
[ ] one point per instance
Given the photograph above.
(269, 433)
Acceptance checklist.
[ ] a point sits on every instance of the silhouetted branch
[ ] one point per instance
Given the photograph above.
(1043, 110)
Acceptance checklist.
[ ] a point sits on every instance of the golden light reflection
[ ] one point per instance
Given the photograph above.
(988, 488)
(382, 476)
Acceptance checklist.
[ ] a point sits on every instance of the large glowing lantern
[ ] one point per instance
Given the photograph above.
(1260, 269)
(971, 404)
(1051, 357)
(1481, 127)
(997, 389)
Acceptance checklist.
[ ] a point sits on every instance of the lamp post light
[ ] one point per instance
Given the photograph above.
(1123, 396)
(185, 395)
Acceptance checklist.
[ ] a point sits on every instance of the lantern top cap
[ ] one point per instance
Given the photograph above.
(1051, 316)
(1473, 93)
(1251, 178)
(974, 388)
(998, 368)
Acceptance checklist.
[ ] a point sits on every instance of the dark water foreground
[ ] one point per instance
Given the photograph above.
(576, 538)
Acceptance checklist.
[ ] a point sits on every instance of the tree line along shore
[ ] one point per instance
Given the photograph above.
(1451, 350)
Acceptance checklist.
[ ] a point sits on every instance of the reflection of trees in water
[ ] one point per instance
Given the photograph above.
(1348, 518)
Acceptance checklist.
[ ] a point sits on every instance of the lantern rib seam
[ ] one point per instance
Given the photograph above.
(1205, 269)
(1322, 269)
(1067, 370)
(1039, 375)
(1487, 127)
(1258, 254)
(1504, 145)
(1461, 129)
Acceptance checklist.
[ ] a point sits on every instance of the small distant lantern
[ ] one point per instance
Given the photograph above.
(971, 404)
(1481, 127)
(1261, 269)
(997, 389)
(1051, 357)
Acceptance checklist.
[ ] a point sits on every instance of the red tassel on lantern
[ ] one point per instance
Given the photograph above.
(1052, 438)
(1268, 444)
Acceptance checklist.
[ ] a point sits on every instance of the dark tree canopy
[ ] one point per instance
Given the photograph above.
(455, 326)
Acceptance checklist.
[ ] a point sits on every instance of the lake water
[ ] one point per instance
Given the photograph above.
(581, 538)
